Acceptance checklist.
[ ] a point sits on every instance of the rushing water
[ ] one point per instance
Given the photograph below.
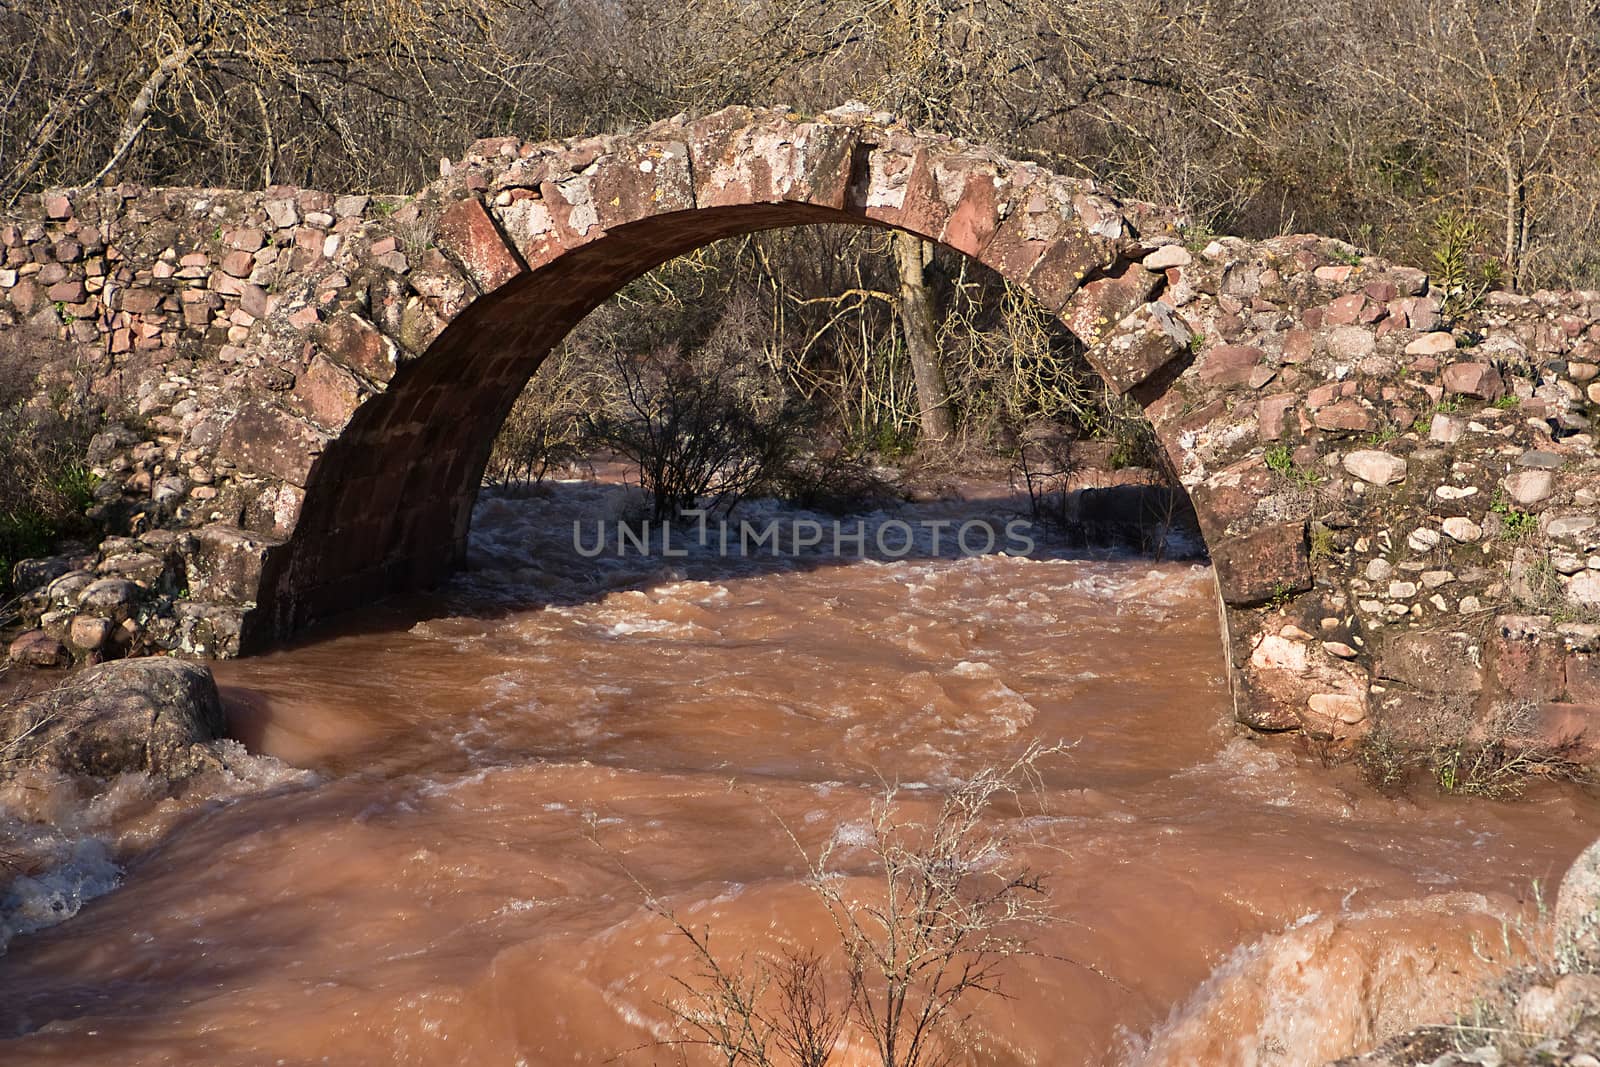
(435, 852)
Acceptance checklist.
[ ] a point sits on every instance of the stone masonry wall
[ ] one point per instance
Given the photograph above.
(1404, 511)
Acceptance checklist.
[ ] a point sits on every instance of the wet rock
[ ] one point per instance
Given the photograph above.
(38, 649)
(1346, 708)
(31, 574)
(1553, 1011)
(129, 715)
(1577, 911)
(113, 598)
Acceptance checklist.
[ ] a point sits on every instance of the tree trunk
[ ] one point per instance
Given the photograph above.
(1514, 229)
(922, 340)
(139, 111)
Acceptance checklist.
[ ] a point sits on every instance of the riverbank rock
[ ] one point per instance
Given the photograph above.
(127, 715)
(1577, 914)
(38, 649)
(1554, 1003)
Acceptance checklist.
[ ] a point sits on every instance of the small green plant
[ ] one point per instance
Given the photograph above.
(1515, 523)
(1460, 270)
(1447, 406)
(1282, 593)
(1507, 402)
(1465, 756)
(1321, 542)
(1197, 235)
(1383, 436)
(1422, 425)
(1280, 460)
(1197, 342)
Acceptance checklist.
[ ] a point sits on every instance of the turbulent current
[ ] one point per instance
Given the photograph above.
(436, 843)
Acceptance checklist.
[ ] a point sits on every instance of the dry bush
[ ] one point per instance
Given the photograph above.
(44, 435)
(925, 922)
(1045, 464)
(1497, 756)
(813, 311)
(709, 432)
(544, 430)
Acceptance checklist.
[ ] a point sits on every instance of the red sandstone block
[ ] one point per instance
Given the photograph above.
(238, 264)
(327, 393)
(67, 292)
(466, 230)
(1474, 379)
(1270, 562)
(1229, 364)
(1344, 311)
(1271, 413)
(1583, 677)
(1104, 302)
(1527, 662)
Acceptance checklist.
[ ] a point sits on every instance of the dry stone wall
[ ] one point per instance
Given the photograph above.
(1402, 501)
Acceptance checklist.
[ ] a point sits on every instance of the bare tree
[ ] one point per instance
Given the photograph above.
(1510, 91)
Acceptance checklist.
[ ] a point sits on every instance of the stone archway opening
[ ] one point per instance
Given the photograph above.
(364, 532)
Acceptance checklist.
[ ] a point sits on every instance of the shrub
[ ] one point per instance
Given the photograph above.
(1045, 464)
(707, 430)
(44, 436)
(1495, 757)
(947, 907)
(544, 429)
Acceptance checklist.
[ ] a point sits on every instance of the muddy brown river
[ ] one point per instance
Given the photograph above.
(436, 849)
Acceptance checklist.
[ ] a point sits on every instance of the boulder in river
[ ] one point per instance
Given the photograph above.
(127, 715)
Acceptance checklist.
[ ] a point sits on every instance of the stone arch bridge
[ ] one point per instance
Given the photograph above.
(1404, 516)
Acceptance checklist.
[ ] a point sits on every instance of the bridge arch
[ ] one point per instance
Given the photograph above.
(526, 245)
(336, 367)
(407, 380)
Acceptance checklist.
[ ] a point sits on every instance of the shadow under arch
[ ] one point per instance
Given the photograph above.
(388, 504)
